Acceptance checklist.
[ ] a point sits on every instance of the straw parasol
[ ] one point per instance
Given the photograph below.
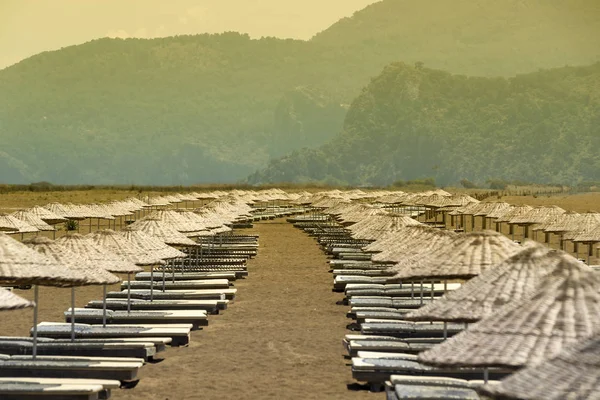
(573, 374)
(46, 215)
(514, 279)
(162, 231)
(32, 220)
(20, 265)
(10, 301)
(62, 255)
(12, 224)
(511, 213)
(466, 256)
(562, 311)
(590, 238)
(412, 243)
(379, 225)
(101, 256)
(537, 215)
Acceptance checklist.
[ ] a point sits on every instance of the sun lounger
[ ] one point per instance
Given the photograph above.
(16, 390)
(210, 306)
(388, 302)
(179, 285)
(144, 351)
(179, 333)
(409, 329)
(186, 276)
(107, 385)
(340, 281)
(377, 368)
(54, 367)
(410, 387)
(183, 294)
(95, 316)
(159, 343)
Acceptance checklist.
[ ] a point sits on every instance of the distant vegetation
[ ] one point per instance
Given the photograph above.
(213, 108)
(413, 122)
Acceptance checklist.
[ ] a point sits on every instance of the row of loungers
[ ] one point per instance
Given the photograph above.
(86, 360)
(383, 348)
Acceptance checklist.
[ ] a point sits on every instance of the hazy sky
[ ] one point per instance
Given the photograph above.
(28, 27)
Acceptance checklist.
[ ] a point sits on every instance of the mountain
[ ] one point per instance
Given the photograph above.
(474, 37)
(212, 108)
(413, 122)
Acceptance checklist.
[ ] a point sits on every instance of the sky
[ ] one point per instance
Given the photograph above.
(28, 27)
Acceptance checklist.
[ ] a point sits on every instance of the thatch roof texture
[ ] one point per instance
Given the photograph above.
(21, 265)
(46, 215)
(10, 224)
(64, 256)
(163, 232)
(573, 374)
(10, 301)
(379, 225)
(33, 220)
(124, 248)
(514, 212)
(102, 256)
(513, 280)
(466, 256)
(562, 311)
(537, 215)
(414, 247)
(151, 244)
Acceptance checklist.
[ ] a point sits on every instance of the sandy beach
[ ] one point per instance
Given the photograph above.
(280, 339)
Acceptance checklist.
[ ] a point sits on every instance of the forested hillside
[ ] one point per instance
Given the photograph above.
(213, 108)
(413, 122)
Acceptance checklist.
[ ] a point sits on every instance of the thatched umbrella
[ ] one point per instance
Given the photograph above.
(562, 311)
(537, 215)
(512, 280)
(466, 256)
(10, 301)
(380, 225)
(163, 232)
(490, 208)
(20, 265)
(64, 256)
(511, 213)
(573, 374)
(46, 215)
(32, 220)
(412, 242)
(101, 256)
(587, 223)
(128, 250)
(562, 223)
(11, 224)
(590, 238)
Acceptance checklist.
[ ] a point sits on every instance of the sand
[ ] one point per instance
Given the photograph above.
(280, 339)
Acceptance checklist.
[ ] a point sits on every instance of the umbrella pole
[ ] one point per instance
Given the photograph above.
(35, 321)
(163, 280)
(412, 289)
(152, 283)
(486, 374)
(72, 314)
(104, 306)
(422, 292)
(128, 292)
(445, 330)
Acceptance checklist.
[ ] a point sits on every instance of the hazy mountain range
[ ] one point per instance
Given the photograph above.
(215, 108)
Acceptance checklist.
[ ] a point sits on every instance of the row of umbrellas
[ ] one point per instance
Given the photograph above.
(531, 307)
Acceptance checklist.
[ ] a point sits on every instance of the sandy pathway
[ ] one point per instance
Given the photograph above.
(281, 339)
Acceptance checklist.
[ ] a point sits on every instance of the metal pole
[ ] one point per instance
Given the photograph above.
(152, 283)
(104, 306)
(128, 292)
(73, 314)
(35, 320)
